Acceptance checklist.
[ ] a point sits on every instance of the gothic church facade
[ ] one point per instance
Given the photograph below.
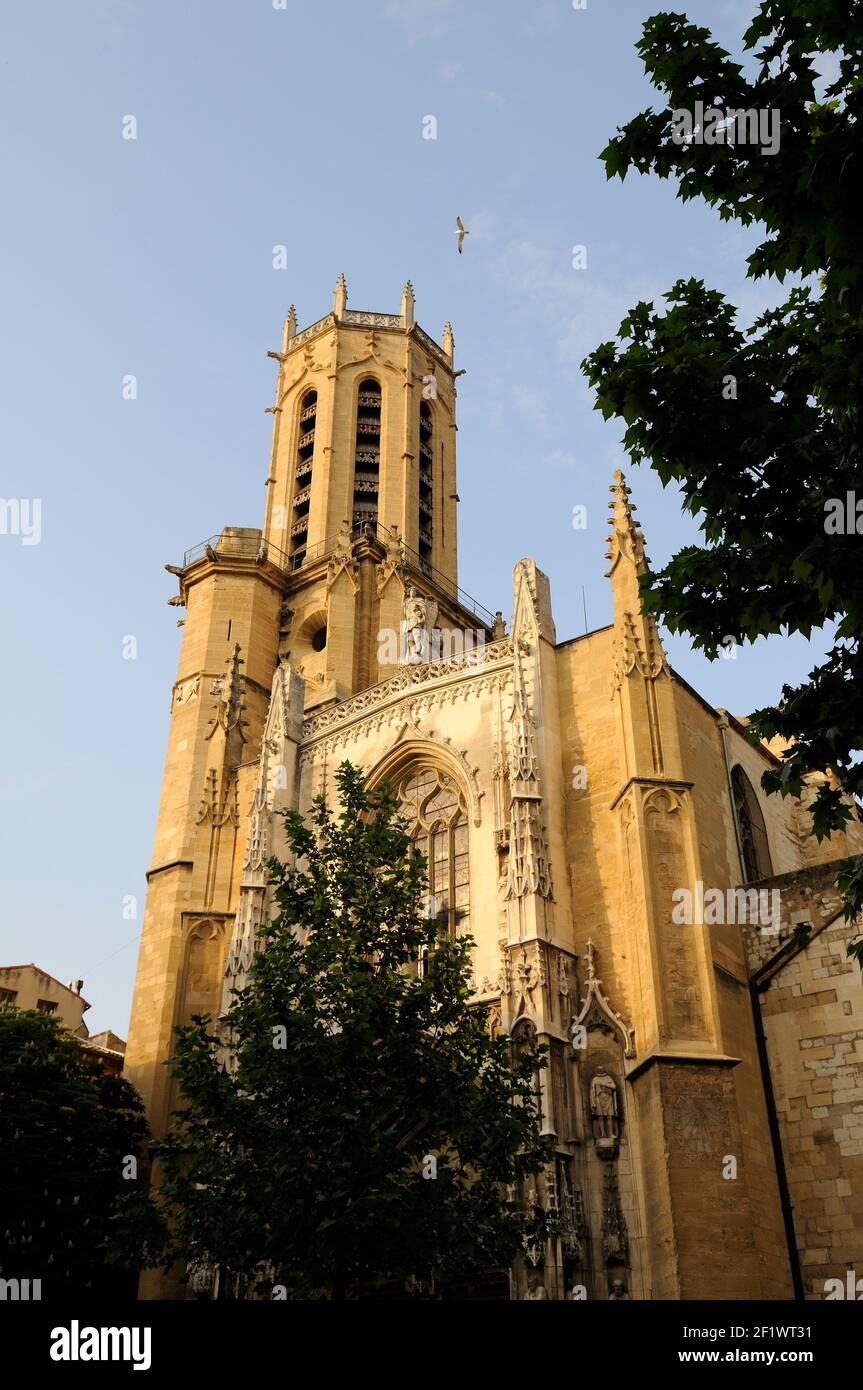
(703, 1081)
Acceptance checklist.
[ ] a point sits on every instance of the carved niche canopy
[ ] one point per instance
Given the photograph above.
(596, 1011)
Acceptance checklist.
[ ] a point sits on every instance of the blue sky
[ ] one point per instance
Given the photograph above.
(302, 127)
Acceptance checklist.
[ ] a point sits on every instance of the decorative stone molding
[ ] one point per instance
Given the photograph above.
(392, 562)
(366, 320)
(412, 741)
(615, 1240)
(629, 655)
(432, 347)
(312, 331)
(529, 868)
(407, 677)
(184, 691)
(342, 559)
(219, 804)
(596, 1011)
(452, 693)
(662, 801)
(274, 790)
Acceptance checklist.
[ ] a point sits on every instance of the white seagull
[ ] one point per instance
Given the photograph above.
(461, 232)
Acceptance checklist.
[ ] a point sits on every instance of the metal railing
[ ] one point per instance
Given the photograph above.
(256, 548)
(250, 549)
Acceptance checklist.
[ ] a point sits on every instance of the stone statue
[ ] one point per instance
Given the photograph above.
(344, 539)
(618, 1293)
(603, 1110)
(415, 625)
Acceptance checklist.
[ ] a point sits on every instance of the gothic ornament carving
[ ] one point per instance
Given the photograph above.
(630, 654)
(562, 976)
(184, 691)
(529, 870)
(615, 1241)
(618, 1291)
(393, 561)
(504, 979)
(494, 654)
(286, 614)
(219, 803)
(272, 790)
(566, 1203)
(412, 731)
(596, 1011)
(662, 801)
(342, 559)
(228, 691)
(200, 1279)
(637, 645)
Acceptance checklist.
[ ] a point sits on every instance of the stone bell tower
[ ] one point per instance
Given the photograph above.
(362, 483)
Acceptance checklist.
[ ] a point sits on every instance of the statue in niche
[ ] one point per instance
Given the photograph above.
(604, 1114)
(536, 1291)
(618, 1293)
(415, 624)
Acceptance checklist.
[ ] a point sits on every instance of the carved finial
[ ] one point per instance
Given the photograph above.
(448, 343)
(290, 327)
(232, 698)
(591, 963)
(408, 303)
(637, 644)
(340, 297)
(625, 539)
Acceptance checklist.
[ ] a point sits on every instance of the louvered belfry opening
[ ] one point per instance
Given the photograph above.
(426, 512)
(367, 453)
(303, 476)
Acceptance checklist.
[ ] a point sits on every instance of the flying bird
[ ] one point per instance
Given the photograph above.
(461, 232)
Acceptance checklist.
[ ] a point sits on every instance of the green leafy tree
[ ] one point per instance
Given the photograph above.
(73, 1213)
(366, 1126)
(760, 426)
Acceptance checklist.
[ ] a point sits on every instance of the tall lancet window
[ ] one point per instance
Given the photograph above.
(426, 512)
(303, 477)
(753, 832)
(435, 813)
(367, 454)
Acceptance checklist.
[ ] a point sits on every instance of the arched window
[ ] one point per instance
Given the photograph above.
(753, 834)
(367, 453)
(435, 813)
(426, 511)
(303, 477)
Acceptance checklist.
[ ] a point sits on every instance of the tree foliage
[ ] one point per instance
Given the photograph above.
(73, 1213)
(760, 425)
(351, 1077)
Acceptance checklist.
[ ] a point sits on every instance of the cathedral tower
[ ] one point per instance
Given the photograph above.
(362, 484)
